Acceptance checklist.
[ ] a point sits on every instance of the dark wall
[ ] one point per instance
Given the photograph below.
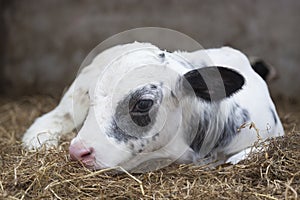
(3, 38)
(46, 41)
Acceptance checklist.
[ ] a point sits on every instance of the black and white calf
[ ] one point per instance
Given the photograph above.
(136, 103)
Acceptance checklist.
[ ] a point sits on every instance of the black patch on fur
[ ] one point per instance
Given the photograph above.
(173, 95)
(261, 68)
(153, 87)
(162, 55)
(118, 134)
(274, 115)
(238, 116)
(201, 132)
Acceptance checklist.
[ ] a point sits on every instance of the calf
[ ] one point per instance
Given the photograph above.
(142, 108)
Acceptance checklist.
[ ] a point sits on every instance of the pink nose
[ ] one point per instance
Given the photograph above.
(81, 153)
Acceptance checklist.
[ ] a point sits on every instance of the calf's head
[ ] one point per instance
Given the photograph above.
(140, 107)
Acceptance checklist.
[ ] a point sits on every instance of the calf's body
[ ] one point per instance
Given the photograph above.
(137, 104)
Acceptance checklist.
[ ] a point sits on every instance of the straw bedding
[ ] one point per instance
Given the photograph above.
(273, 173)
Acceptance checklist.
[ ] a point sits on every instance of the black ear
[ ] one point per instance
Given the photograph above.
(261, 68)
(213, 83)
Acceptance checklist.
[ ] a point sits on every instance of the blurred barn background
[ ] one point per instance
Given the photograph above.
(43, 42)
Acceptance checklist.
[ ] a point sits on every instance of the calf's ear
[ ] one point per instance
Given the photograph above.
(212, 83)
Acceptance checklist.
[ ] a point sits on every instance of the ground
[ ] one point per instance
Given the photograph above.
(271, 174)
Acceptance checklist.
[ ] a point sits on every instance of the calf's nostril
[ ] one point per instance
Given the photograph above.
(80, 153)
(87, 153)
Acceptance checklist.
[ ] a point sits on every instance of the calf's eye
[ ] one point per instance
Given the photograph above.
(143, 106)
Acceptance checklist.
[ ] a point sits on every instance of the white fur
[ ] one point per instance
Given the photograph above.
(119, 70)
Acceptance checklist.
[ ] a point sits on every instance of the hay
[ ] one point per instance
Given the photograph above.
(271, 174)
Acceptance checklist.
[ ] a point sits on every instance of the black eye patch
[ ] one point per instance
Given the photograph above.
(141, 103)
(136, 113)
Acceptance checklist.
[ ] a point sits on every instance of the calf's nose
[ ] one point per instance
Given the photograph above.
(81, 153)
